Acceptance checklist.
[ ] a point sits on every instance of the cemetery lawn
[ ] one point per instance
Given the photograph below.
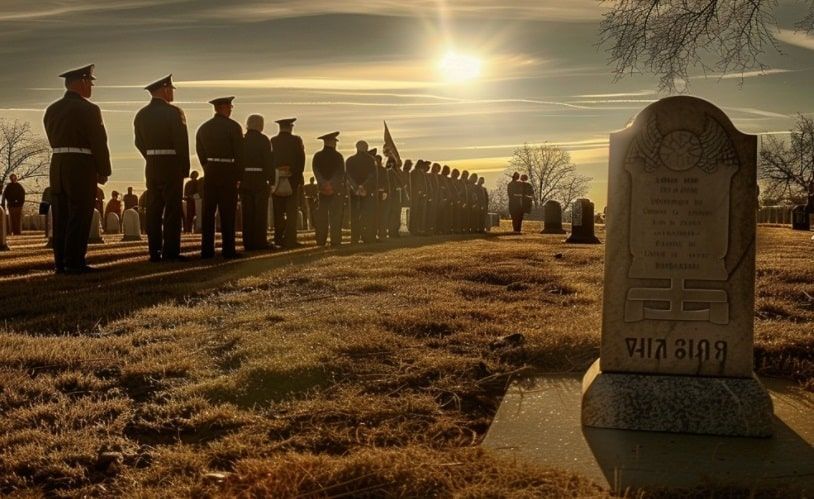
(364, 371)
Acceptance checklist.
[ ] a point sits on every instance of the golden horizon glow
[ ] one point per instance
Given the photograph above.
(456, 67)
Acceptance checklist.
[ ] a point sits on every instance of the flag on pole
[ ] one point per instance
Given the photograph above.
(389, 148)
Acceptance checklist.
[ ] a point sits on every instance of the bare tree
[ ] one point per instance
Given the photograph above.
(551, 173)
(787, 166)
(499, 197)
(22, 152)
(668, 38)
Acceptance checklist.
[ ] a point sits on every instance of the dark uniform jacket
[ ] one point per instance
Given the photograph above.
(515, 191)
(192, 187)
(528, 196)
(74, 121)
(13, 195)
(329, 168)
(221, 138)
(130, 201)
(161, 126)
(361, 169)
(257, 153)
(418, 185)
(289, 151)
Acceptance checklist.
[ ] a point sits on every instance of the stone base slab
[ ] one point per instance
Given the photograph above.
(583, 240)
(553, 231)
(678, 404)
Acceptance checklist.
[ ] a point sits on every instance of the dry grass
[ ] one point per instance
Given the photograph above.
(367, 371)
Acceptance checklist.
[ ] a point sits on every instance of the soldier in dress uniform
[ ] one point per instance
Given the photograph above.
(396, 199)
(329, 168)
(130, 199)
(191, 189)
(407, 186)
(419, 195)
(528, 194)
(361, 170)
(466, 205)
(258, 172)
(484, 204)
(219, 145)
(457, 200)
(311, 193)
(474, 203)
(381, 213)
(514, 189)
(80, 159)
(289, 163)
(163, 141)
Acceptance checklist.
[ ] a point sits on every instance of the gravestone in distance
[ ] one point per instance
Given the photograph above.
(552, 218)
(582, 223)
(112, 225)
(799, 218)
(131, 225)
(405, 221)
(678, 309)
(96, 229)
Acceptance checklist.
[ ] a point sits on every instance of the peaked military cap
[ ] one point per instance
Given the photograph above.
(79, 73)
(222, 100)
(330, 136)
(163, 82)
(373, 151)
(286, 121)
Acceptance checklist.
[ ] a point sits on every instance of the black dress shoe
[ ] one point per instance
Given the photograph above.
(207, 256)
(294, 245)
(232, 256)
(59, 270)
(155, 258)
(176, 258)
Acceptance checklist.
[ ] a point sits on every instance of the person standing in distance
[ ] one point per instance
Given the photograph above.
(254, 188)
(219, 145)
(329, 168)
(80, 159)
(289, 163)
(163, 141)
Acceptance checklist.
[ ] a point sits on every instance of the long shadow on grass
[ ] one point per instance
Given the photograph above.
(47, 304)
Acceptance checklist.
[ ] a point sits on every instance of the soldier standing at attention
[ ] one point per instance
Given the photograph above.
(13, 199)
(219, 144)
(130, 199)
(396, 202)
(191, 189)
(419, 196)
(528, 194)
(329, 167)
(361, 170)
(311, 192)
(79, 161)
(163, 141)
(514, 189)
(484, 204)
(289, 163)
(254, 188)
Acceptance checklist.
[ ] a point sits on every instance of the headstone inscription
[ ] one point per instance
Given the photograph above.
(552, 218)
(95, 236)
(678, 310)
(131, 225)
(582, 223)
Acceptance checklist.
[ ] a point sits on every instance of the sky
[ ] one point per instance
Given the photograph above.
(350, 65)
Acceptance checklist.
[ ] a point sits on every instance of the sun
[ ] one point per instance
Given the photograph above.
(458, 68)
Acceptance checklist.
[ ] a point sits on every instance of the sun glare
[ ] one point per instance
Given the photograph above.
(457, 68)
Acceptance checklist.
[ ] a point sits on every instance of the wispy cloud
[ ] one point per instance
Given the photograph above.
(745, 74)
(796, 38)
(17, 10)
(639, 93)
(757, 112)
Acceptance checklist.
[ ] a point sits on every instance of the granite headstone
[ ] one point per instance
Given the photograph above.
(131, 225)
(582, 223)
(95, 236)
(552, 218)
(677, 321)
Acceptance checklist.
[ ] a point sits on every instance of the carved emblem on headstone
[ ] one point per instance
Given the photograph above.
(679, 221)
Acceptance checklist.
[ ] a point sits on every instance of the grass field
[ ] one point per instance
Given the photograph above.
(369, 370)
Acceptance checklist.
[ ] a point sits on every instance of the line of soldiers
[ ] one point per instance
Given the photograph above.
(440, 200)
(251, 166)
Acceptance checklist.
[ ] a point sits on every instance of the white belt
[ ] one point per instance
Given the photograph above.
(220, 160)
(253, 169)
(76, 150)
(160, 152)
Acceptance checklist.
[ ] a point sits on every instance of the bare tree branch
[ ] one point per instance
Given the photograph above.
(22, 153)
(787, 166)
(670, 38)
